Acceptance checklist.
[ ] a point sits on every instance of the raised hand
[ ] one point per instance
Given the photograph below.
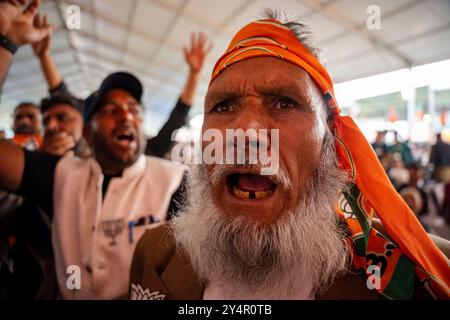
(41, 47)
(196, 54)
(17, 24)
(8, 11)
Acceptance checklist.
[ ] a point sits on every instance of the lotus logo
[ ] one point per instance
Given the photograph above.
(138, 293)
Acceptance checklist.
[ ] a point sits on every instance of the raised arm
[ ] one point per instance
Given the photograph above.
(195, 57)
(17, 29)
(6, 58)
(42, 51)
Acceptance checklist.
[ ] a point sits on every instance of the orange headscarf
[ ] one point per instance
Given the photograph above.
(411, 251)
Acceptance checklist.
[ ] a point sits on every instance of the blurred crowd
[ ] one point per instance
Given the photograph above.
(421, 175)
(55, 128)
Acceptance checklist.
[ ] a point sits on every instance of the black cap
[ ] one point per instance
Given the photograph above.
(117, 80)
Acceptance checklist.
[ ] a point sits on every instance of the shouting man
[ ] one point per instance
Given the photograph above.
(297, 233)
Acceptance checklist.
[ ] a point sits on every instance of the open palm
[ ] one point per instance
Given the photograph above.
(19, 24)
(196, 54)
(42, 46)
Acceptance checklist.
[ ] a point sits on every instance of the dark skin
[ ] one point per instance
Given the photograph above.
(269, 93)
(414, 176)
(27, 120)
(16, 23)
(63, 127)
(115, 133)
(120, 114)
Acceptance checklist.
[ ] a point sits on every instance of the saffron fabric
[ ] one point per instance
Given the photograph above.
(411, 254)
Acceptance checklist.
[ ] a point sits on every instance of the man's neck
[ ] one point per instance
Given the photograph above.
(111, 169)
(112, 172)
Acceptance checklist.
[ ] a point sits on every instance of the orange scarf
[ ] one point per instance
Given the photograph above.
(412, 255)
(30, 142)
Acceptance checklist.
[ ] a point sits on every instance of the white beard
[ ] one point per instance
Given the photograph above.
(302, 250)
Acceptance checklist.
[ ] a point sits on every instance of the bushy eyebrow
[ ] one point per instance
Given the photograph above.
(222, 95)
(274, 89)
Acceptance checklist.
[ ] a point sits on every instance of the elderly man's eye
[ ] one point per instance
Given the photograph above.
(285, 103)
(223, 107)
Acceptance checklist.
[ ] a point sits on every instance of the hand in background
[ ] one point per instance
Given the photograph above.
(195, 55)
(17, 24)
(57, 143)
(43, 46)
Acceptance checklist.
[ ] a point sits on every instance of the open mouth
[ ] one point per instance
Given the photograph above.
(125, 137)
(250, 186)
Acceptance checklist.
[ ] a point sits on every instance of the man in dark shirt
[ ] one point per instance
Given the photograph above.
(379, 145)
(440, 160)
(63, 123)
(17, 29)
(31, 174)
(113, 129)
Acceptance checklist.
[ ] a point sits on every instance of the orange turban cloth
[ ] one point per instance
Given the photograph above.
(411, 256)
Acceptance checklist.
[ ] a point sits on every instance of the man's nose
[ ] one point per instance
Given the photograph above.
(126, 115)
(255, 124)
(52, 125)
(23, 120)
(252, 115)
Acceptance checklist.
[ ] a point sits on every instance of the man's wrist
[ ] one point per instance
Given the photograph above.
(44, 56)
(6, 43)
(194, 73)
(5, 54)
(13, 37)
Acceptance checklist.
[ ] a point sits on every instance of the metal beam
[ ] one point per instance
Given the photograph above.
(167, 33)
(116, 23)
(110, 44)
(126, 40)
(57, 5)
(398, 43)
(227, 20)
(112, 61)
(65, 71)
(348, 24)
(385, 16)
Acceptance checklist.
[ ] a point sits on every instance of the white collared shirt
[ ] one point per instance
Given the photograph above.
(94, 234)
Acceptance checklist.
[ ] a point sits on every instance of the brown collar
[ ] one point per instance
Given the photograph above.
(181, 281)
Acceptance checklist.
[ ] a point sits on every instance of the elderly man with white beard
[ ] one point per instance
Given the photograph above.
(306, 231)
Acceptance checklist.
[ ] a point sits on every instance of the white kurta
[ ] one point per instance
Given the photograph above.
(95, 234)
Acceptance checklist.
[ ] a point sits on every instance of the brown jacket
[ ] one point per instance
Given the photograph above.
(160, 271)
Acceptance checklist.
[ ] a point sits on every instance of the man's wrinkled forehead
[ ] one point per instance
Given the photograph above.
(27, 108)
(281, 78)
(60, 108)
